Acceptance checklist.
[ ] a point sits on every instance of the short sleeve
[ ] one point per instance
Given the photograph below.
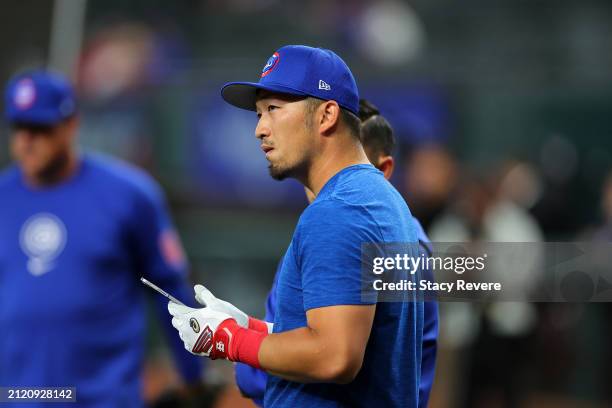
(329, 242)
(158, 250)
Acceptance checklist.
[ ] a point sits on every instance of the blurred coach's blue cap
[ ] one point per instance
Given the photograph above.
(303, 71)
(39, 98)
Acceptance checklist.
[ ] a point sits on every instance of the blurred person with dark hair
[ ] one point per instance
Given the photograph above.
(77, 232)
(487, 209)
(330, 346)
(430, 178)
(377, 138)
(378, 143)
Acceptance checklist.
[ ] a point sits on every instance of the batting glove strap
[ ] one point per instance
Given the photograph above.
(258, 325)
(235, 343)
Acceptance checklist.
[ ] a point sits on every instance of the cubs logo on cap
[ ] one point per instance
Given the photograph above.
(39, 97)
(272, 62)
(304, 71)
(25, 93)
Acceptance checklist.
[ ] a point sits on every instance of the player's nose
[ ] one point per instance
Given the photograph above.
(262, 129)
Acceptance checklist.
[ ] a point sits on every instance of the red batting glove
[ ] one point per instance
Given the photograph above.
(258, 325)
(235, 343)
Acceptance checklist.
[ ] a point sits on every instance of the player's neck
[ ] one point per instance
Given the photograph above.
(58, 170)
(334, 159)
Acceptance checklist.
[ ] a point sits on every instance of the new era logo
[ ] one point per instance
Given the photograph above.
(324, 85)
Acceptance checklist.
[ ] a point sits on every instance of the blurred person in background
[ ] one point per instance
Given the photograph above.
(77, 232)
(604, 231)
(592, 321)
(497, 338)
(120, 71)
(430, 176)
(490, 206)
(329, 346)
(378, 143)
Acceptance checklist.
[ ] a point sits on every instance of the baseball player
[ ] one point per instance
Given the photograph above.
(77, 232)
(378, 143)
(328, 347)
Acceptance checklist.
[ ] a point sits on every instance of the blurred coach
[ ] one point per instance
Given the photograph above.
(76, 232)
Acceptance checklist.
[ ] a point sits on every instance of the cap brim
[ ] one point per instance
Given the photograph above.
(244, 94)
(40, 117)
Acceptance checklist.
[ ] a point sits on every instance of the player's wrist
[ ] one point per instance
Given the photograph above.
(236, 343)
(258, 325)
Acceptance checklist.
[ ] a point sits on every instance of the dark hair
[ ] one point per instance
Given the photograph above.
(376, 132)
(350, 120)
(367, 109)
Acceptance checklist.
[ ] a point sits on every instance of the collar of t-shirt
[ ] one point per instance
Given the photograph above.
(328, 188)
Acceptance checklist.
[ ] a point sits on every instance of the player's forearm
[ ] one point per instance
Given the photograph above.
(303, 355)
(330, 349)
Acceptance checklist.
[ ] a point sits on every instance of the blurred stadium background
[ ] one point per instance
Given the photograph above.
(502, 109)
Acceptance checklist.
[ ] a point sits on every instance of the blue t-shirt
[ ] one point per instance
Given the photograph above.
(430, 328)
(72, 309)
(252, 382)
(322, 267)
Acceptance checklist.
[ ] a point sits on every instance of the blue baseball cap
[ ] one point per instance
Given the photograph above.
(39, 98)
(302, 71)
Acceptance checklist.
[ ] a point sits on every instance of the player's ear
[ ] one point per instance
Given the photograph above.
(329, 112)
(72, 125)
(68, 129)
(386, 164)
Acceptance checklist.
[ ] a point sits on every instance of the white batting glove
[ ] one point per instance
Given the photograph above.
(197, 328)
(206, 298)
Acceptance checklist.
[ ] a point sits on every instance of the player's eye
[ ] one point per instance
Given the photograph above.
(271, 108)
(33, 129)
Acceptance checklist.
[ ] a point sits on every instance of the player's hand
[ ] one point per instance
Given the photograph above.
(205, 332)
(206, 298)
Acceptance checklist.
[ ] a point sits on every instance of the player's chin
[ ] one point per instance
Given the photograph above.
(277, 172)
(31, 168)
